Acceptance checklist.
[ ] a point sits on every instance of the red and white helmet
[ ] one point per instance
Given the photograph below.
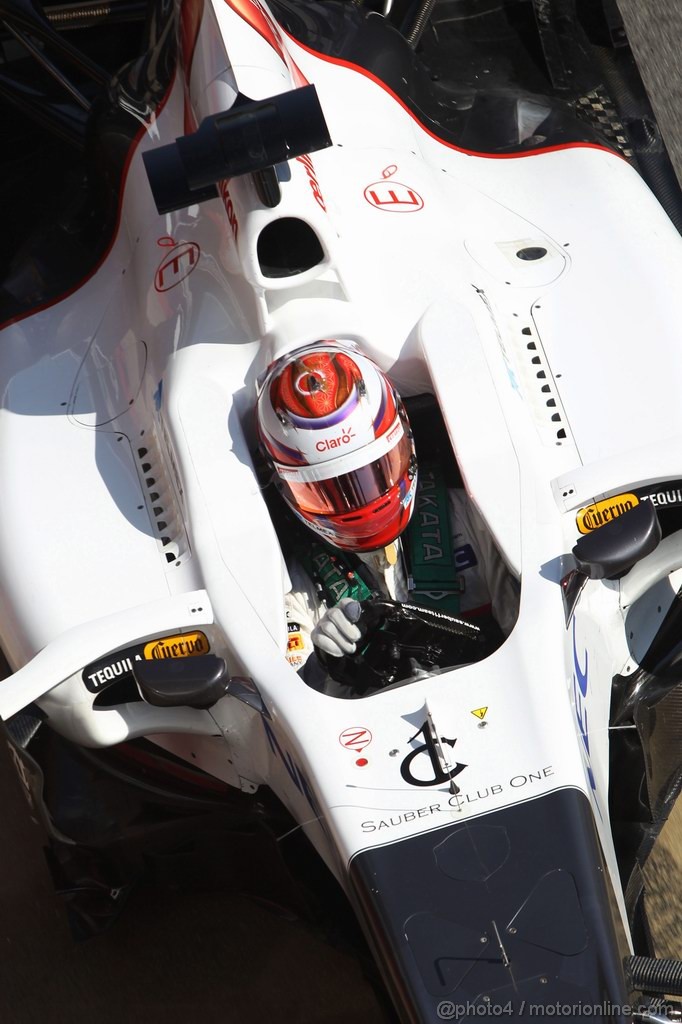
(335, 431)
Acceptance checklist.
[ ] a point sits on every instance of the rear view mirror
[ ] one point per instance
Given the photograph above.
(252, 136)
(613, 549)
(196, 682)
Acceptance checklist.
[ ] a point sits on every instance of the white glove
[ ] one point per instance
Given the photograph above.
(336, 632)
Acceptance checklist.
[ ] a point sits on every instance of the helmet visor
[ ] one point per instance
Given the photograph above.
(351, 491)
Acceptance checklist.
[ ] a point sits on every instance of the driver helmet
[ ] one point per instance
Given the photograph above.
(336, 433)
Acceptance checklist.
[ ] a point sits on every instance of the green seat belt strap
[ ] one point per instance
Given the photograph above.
(336, 574)
(433, 578)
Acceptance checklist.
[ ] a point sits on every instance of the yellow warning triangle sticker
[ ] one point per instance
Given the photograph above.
(479, 712)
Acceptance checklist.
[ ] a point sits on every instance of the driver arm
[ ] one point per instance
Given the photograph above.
(304, 608)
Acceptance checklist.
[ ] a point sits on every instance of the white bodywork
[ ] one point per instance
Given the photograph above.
(548, 373)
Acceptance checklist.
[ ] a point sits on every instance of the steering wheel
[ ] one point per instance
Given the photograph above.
(401, 642)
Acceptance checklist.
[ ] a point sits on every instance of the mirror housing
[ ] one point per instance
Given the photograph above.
(251, 136)
(196, 682)
(613, 549)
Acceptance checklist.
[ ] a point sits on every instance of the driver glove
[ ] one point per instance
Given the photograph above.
(337, 633)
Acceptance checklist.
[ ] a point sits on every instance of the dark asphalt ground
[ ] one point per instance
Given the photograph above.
(172, 957)
(181, 958)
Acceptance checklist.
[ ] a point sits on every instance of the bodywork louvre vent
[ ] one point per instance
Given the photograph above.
(163, 504)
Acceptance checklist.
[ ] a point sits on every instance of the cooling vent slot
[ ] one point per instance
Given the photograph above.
(539, 384)
(529, 372)
(159, 477)
(123, 691)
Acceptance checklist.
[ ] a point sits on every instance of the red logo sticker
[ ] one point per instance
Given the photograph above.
(336, 442)
(312, 179)
(393, 197)
(229, 207)
(356, 738)
(176, 266)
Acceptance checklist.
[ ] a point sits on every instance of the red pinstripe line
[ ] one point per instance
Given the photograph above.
(450, 145)
(91, 273)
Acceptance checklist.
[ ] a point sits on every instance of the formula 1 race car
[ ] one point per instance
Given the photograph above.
(475, 194)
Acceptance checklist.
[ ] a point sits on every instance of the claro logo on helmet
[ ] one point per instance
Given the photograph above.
(336, 442)
(594, 516)
(184, 645)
